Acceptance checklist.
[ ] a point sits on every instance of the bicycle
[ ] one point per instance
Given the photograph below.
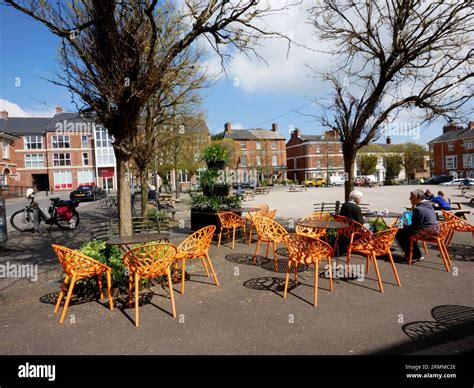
(29, 218)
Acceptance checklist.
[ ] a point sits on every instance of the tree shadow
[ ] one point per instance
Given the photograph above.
(461, 252)
(246, 259)
(452, 323)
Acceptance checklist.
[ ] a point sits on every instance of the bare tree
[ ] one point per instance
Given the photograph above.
(111, 59)
(393, 55)
(167, 116)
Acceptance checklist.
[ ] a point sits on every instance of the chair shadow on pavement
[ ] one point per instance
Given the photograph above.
(452, 323)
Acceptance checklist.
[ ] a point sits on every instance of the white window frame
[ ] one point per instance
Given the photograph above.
(450, 146)
(85, 160)
(243, 161)
(274, 161)
(318, 163)
(60, 141)
(258, 160)
(62, 179)
(468, 144)
(453, 159)
(6, 149)
(274, 145)
(59, 161)
(468, 160)
(84, 143)
(37, 162)
(243, 145)
(258, 145)
(86, 178)
(28, 142)
(183, 176)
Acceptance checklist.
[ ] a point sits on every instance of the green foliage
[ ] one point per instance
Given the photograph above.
(378, 225)
(215, 204)
(215, 151)
(110, 255)
(368, 164)
(393, 166)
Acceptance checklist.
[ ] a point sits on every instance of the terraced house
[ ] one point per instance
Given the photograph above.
(453, 151)
(260, 154)
(311, 156)
(59, 152)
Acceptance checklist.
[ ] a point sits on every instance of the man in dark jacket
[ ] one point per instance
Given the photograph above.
(351, 208)
(423, 217)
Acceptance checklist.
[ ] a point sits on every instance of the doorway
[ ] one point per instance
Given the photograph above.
(40, 182)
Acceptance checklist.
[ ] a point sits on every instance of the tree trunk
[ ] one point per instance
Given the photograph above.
(349, 160)
(124, 194)
(144, 190)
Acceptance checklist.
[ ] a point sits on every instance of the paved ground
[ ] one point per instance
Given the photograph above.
(432, 313)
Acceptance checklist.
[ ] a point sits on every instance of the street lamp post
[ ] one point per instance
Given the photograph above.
(324, 138)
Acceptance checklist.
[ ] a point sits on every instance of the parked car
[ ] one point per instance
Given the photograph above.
(337, 180)
(315, 182)
(438, 179)
(87, 193)
(458, 182)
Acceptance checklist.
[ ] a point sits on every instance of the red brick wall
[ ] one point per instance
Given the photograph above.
(440, 151)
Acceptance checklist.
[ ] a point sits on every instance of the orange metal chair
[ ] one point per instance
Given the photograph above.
(196, 246)
(353, 231)
(271, 214)
(149, 262)
(377, 244)
(77, 266)
(271, 232)
(313, 232)
(435, 234)
(230, 221)
(306, 250)
(457, 225)
(250, 217)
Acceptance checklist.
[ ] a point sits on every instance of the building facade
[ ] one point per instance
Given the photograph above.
(259, 154)
(381, 151)
(8, 173)
(60, 152)
(311, 156)
(453, 151)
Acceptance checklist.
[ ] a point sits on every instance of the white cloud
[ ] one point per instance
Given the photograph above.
(286, 72)
(14, 110)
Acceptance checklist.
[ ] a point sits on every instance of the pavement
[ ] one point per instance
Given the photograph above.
(431, 313)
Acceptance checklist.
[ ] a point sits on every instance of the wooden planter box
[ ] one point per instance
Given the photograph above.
(217, 165)
(200, 219)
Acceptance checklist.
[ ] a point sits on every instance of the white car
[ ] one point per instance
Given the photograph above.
(458, 182)
(337, 180)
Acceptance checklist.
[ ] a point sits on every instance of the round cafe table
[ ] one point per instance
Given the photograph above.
(322, 224)
(245, 209)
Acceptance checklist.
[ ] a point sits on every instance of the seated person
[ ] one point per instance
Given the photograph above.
(351, 208)
(423, 217)
(441, 202)
(151, 194)
(429, 195)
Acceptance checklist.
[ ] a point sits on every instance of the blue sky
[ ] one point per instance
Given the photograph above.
(254, 94)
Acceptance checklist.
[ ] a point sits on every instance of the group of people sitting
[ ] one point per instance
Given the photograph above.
(423, 216)
(440, 202)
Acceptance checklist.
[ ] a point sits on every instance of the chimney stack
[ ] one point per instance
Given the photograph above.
(228, 127)
(274, 127)
(450, 127)
(470, 125)
(59, 109)
(388, 140)
(296, 132)
(3, 115)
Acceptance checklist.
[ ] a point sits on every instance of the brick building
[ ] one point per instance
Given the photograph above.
(453, 151)
(8, 173)
(60, 152)
(310, 156)
(260, 153)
